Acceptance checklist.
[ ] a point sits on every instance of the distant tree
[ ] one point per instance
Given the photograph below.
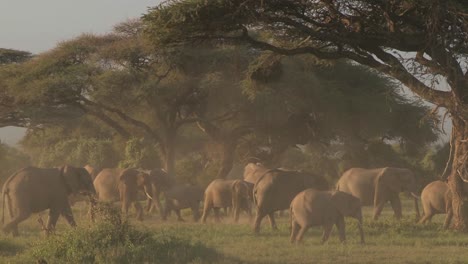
(8, 56)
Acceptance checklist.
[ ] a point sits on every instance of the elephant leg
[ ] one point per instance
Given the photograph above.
(340, 224)
(294, 229)
(396, 206)
(166, 211)
(12, 226)
(258, 219)
(327, 228)
(301, 233)
(271, 217)
(68, 215)
(179, 217)
(427, 217)
(217, 216)
(236, 210)
(195, 213)
(206, 211)
(139, 210)
(378, 209)
(448, 219)
(52, 221)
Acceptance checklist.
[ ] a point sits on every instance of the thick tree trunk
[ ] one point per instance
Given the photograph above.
(227, 159)
(459, 174)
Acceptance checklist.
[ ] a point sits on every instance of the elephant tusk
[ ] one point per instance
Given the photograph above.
(415, 196)
(149, 196)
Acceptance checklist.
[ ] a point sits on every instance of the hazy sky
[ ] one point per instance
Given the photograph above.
(38, 25)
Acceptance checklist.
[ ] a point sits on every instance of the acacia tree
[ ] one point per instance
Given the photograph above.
(116, 78)
(417, 42)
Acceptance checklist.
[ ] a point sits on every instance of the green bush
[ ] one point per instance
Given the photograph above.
(113, 240)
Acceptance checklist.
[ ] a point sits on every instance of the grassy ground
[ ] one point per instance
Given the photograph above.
(387, 240)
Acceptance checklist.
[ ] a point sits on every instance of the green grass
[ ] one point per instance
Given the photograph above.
(387, 241)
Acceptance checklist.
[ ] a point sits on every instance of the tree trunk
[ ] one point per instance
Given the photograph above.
(459, 174)
(169, 159)
(228, 148)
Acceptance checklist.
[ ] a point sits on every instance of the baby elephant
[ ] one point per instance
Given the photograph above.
(182, 197)
(436, 199)
(313, 208)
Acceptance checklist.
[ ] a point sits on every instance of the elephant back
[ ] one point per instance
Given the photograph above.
(219, 192)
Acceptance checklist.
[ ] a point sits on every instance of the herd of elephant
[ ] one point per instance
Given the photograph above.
(307, 196)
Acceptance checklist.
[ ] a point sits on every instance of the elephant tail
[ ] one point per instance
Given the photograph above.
(235, 195)
(3, 206)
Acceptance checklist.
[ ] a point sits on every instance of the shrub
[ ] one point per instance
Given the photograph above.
(114, 240)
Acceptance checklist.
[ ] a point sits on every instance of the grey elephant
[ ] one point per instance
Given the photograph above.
(378, 186)
(160, 182)
(123, 185)
(275, 190)
(242, 198)
(33, 190)
(436, 199)
(319, 208)
(253, 171)
(218, 194)
(182, 197)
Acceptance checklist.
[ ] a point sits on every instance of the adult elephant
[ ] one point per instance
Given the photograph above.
(378, 186)
(253, 172)
(182, 197)
(436, 199)
(218, 195)
(275, 190)
(160, 182)
(122, 185)
(313, 208)
(33, 190)
(242, 198)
